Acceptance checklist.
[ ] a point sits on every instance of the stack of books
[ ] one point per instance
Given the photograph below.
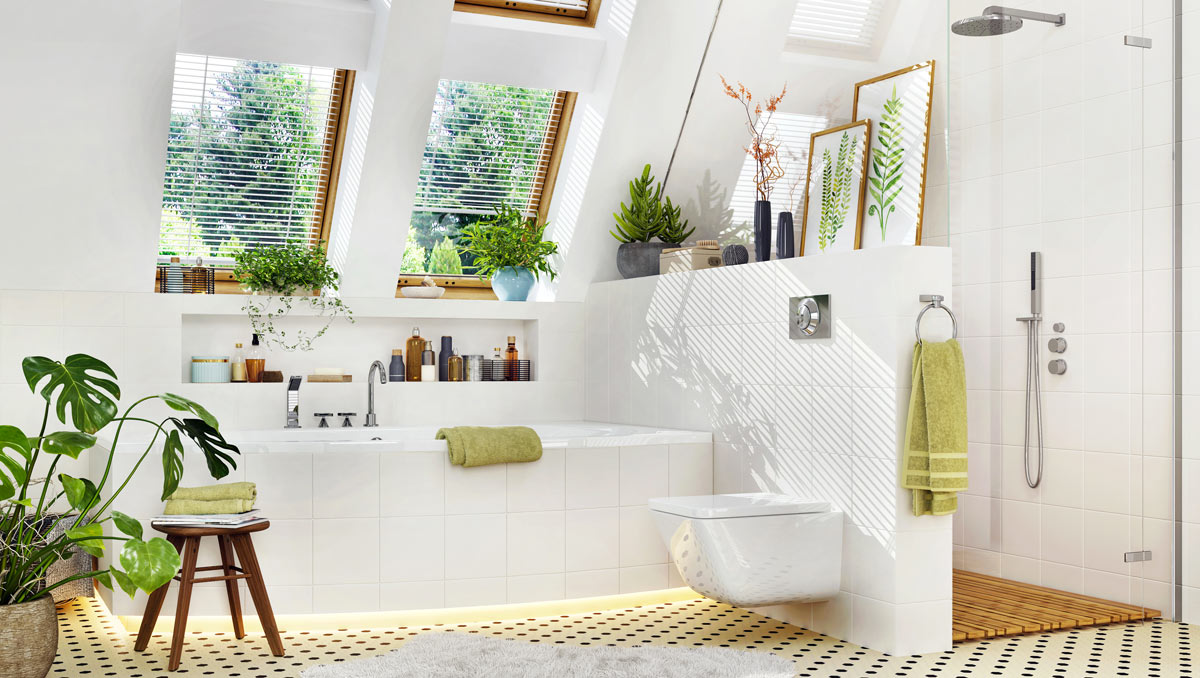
(215, 520)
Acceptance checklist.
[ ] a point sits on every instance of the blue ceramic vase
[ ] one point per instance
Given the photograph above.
(512, 283)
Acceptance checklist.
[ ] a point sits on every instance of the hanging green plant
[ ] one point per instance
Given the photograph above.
(288, 274)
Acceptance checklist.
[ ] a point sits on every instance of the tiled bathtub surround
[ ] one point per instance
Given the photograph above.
(710, 351)
(1060, 142)
(381, 526)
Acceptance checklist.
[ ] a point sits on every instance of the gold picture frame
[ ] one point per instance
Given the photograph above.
(858, 175)
(916, 211)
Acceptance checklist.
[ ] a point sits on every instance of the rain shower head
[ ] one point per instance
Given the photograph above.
(997, 20)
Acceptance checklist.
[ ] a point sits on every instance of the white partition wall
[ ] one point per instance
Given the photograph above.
(709, 350)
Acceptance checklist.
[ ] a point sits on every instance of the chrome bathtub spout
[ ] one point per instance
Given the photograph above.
(377, 365)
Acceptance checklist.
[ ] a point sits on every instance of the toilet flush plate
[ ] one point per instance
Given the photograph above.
(809, 317)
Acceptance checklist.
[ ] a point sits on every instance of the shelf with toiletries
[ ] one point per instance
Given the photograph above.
(413, 350)
(481, 309)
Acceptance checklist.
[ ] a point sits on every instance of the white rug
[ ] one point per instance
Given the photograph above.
(460, 655)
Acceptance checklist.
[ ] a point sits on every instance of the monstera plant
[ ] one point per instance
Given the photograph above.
(82, 394)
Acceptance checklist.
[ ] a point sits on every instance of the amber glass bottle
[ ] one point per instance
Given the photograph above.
(454, 367)
(512, 369)
(412, 351)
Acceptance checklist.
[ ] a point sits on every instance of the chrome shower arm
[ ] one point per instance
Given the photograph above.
(1056, 19)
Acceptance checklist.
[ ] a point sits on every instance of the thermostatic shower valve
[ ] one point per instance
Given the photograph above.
(809, 317)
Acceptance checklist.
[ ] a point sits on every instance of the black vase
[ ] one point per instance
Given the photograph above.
(762, 230)
(785, 237)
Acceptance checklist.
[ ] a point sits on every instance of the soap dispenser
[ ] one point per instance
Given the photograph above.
(412, 350)
(429, 368)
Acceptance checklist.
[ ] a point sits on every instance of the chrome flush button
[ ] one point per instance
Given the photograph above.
(809, 317)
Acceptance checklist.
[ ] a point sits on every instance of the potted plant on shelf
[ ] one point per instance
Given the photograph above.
(646, 218)
(31, 508)
(284, 274)
(510, 248)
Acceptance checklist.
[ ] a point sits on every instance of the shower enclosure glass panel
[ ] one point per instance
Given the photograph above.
(1054, 130)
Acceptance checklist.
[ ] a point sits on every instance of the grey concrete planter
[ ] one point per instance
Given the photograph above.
(640, 259)
(28, 638)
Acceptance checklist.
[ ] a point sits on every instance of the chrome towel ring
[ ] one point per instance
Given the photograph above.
(935, 301)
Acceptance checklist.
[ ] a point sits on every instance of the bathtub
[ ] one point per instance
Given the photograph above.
(377, 520)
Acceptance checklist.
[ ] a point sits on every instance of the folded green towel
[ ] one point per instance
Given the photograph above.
(222, 491)
(200, 507)
(480, 445)
(935, 438)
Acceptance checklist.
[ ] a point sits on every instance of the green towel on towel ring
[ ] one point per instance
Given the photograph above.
(481, 445)
(200, 507)
(935, 438)
(243, 490)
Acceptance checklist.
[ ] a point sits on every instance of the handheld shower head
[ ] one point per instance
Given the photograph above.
(1035, 283)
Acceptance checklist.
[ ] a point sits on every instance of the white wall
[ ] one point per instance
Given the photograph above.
(823, 418)
(82, 168)
(1059, 142)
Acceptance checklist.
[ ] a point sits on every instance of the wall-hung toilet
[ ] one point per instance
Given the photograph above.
(753, 549)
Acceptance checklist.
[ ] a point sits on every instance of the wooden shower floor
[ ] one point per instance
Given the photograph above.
(986, 607)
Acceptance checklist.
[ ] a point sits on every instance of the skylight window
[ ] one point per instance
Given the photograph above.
(249, 153)
(839, 24)
(487, 144)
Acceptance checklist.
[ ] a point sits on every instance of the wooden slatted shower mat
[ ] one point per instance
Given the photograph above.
(986, 607)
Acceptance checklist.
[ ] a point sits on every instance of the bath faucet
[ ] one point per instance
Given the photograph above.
(377, 365)
(293, 402)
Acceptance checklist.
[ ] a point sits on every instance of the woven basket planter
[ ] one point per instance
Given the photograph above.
(28, 638)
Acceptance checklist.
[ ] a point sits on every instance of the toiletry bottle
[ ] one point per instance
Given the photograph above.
(256, 362)
(237, 368)
(174, 275)
(428, 363)
(413, 348)
(454, 367)
(396, 368)
(444, 358)
(511, 366)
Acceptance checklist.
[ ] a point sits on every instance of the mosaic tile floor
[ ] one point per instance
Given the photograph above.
(92, 643)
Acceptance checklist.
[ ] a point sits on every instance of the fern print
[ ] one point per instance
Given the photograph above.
(887, 164)
(836, 180)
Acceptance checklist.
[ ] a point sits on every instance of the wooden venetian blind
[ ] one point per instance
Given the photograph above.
(250, 155)
(487, 144)
(566, 8)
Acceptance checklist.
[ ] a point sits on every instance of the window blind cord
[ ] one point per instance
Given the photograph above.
(695, 83)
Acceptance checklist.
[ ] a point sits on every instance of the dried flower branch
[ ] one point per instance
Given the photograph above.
(763, 146)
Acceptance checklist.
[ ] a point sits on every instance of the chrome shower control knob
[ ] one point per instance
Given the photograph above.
(1058, 366)
(808, 316)
(1057, 345)
(1060, 328)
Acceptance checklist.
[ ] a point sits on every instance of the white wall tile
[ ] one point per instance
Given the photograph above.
(640, 542)
(536, 543)
(593, 583)
(643, 578)
(282, 479)
(592, 539)
(345, 484)
(412, 549)
(592, 477)
(475, 548)
(480, 489)
(423, 595)
(412, 483)
(476, 592)
(345, 551)
(538, 485)
(643, 473)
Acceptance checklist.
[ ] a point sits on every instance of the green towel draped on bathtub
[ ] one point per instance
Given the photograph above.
(935, 439)
(480, 445)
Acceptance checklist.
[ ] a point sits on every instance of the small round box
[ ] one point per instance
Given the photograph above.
(210, 369)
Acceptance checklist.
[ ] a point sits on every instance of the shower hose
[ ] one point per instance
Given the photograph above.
(1033, 396)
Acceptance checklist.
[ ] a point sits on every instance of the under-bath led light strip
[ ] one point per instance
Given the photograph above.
(450, 615)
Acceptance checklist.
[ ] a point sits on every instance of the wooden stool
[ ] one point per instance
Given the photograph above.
(186, 540)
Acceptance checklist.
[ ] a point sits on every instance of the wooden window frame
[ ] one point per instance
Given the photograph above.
(517, 9)
(470, 286)
(331, 168)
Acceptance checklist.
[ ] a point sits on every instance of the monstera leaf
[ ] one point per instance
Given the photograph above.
(181, 404)
(172, 459)
(12, 471)
(77, 382)
(148, 564)
(81, 492)
(217, 452)
(70, 443)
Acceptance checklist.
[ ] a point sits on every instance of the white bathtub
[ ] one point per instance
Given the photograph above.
(363, 525)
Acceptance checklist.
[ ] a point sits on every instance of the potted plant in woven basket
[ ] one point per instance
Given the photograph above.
(82, 393)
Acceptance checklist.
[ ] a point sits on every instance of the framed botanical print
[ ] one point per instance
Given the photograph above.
(899, 104)
(833, 198)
